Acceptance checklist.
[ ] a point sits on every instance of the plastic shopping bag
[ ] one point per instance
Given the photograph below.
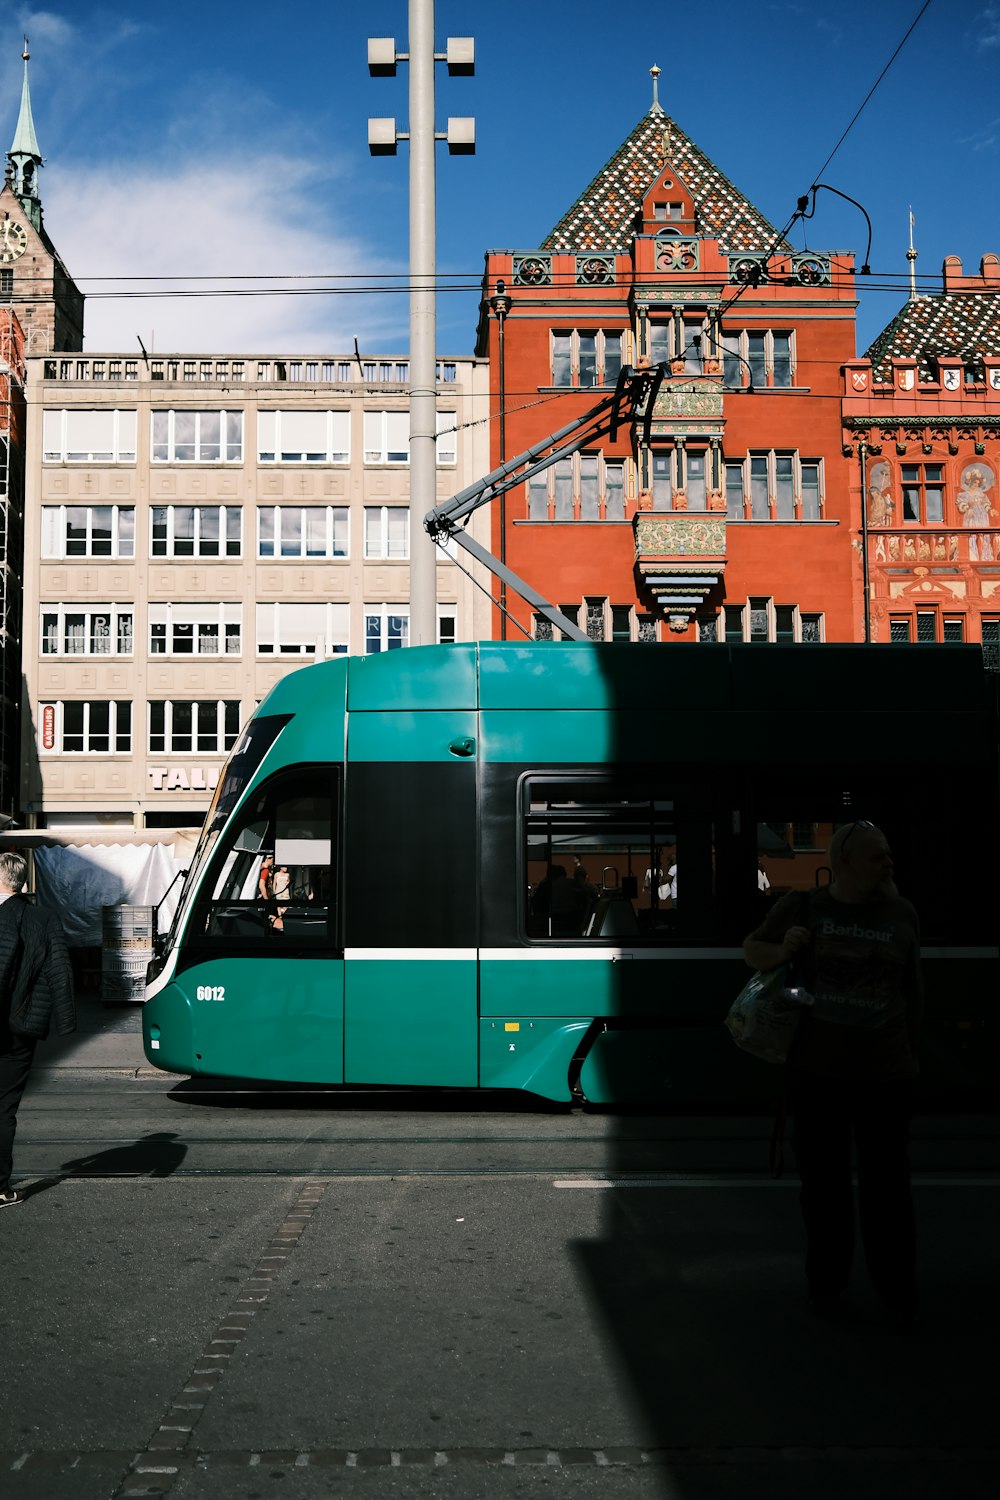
(765, 1015)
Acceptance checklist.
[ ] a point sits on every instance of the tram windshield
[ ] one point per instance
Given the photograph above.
(248, 752)
(271, 878)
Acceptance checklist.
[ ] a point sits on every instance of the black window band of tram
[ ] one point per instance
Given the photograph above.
(270, 887)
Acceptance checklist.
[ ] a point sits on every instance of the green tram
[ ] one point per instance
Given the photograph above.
(506, 866)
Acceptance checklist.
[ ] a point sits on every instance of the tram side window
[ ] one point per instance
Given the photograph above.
(607, 859)
(792, 856)
(272, 879)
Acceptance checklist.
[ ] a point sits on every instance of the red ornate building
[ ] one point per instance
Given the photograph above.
(922, 427)
(728, 514)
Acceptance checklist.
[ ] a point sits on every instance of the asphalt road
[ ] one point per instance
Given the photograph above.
(220, 1293)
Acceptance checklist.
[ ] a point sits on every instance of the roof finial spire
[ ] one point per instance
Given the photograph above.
(911, 256)
(655, 107)
(24, 156)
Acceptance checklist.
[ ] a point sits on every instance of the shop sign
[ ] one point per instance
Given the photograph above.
(183, 778)
(48, 727)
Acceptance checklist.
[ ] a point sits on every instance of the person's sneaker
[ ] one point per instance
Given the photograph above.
(10, 1198)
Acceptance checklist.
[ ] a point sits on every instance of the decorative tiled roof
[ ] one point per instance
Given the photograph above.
(603, 217)
(958, 324)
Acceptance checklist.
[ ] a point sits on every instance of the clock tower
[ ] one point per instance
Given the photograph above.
(33, 279)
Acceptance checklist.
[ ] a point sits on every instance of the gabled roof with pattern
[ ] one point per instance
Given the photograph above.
(603, 217)
(957, 324)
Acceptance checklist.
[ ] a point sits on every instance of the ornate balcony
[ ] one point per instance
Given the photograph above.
(680, 558)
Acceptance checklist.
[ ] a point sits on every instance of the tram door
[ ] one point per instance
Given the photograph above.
(269, 995)
(410, 996)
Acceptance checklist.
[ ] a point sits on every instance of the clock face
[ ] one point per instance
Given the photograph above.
(13, 241)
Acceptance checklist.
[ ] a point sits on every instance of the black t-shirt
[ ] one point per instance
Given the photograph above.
(862, 967)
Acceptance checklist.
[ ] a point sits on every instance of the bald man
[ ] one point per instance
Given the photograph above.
(856, 949)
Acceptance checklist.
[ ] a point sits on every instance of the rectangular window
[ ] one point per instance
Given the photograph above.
(387, 437)
(195, 629)
(76, 436)
(784, 487)
(926, 626)
(760, 503)
(694, 477)
(86, 728)
(621, 622)
(197, 437)
(761, 620)
(953, 631)
(757, 358)
(590, 500)
(810, 491)
(99, 630)
(302, 531)
(304, 437)
(447, 622)
(613, 857)
(196, 531)
(990, 632)
(763, 359)
(387, 531)
(538, 497)
(663, 480)
(899, 630)
(734, 491)
(387, 627)
(185, 728)
(88, 531)
(586, 357)
(446, 450)
(922, 492)
(781, 344)
(596, 626)
(562, 487)
(317, 630)
(614, 491)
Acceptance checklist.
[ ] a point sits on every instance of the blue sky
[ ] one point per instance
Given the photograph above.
(222, 139)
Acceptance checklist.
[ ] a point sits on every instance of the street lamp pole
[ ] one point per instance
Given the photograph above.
(382, 138)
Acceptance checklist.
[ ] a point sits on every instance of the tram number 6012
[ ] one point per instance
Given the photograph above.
(210, 992)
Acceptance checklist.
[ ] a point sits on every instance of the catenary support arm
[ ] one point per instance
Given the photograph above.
(633, 397)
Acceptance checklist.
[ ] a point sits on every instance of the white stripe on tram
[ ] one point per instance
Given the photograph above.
(606, 955)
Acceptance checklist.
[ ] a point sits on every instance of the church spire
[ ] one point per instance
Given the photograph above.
(24, 156)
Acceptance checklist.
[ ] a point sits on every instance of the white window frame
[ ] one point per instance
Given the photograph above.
(798, 613)
(223, 617)
(740, 338)
(57, 436)
(771, 455)
(601, 336)
(382, 524)
(336, 522)
(200, 708)
(119, 726)
(546, 483)
(279, 637)
(117, 614)
(226, 441)
(383, 612)
(170, 543)
(55, 543)
(275, 430)
(379, 425)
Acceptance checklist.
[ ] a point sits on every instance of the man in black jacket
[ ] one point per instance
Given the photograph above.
(35, 983)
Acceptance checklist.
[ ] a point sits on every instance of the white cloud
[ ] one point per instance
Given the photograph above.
(229, 220)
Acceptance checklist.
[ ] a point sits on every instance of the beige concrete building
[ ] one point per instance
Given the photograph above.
(195, 528)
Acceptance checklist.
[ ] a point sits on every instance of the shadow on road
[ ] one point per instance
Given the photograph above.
(159, 1153)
